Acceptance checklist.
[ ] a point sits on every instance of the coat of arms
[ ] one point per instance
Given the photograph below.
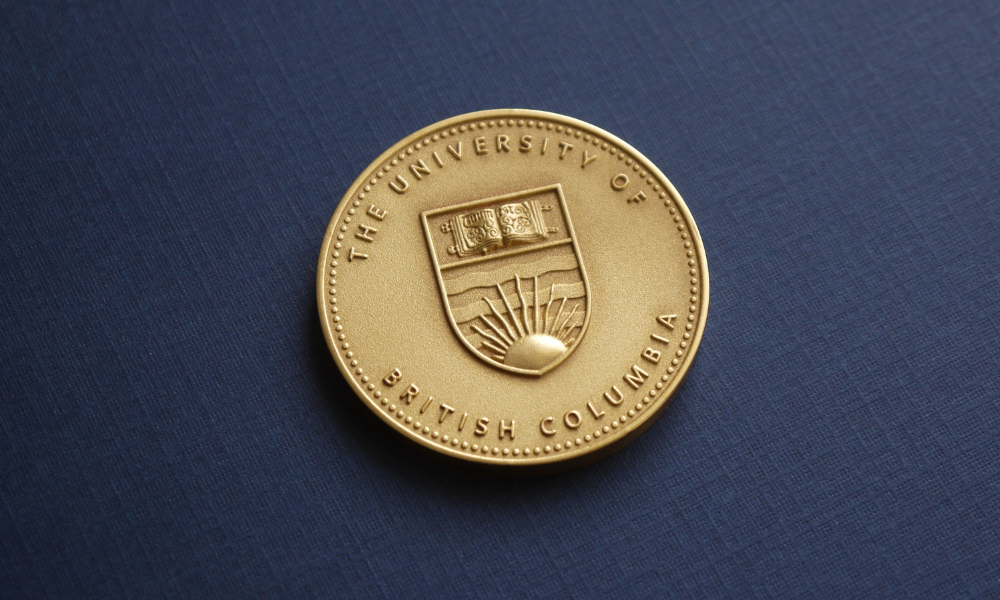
(511, 278)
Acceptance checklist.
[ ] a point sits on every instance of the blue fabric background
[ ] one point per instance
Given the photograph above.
(172, 424)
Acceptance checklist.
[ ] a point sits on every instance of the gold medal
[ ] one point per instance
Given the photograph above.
(513, 289)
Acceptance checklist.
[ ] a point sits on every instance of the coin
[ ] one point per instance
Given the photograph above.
(514, 290)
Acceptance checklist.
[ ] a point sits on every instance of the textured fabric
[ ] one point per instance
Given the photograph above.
(172, 424)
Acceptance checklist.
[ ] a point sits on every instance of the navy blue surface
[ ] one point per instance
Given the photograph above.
(172, 424)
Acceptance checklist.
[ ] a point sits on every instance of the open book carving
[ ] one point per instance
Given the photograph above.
(479, 231)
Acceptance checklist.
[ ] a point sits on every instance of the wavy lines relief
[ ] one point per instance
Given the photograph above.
(468, 306)
(542, 264)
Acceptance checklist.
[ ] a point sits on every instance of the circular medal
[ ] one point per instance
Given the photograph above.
(513, 289)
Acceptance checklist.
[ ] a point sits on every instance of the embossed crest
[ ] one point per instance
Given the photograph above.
(511, 278)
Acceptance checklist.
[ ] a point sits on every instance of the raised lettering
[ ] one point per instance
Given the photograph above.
(619, 182)
(366, 231)
(419, 169)
(457, 153)
(566, 147)
(355, 254)
(587, 158)
(401, 187)
(392, 378)
(480, 143)
(461, 425)
(572, 419)
(505, 428)
(659, 339)
(593, 411)
(545, 426)
(482, 426)
(636, 377)
(412, 392)
(545, 144)
(638, 197)
(651, 355)
(502, 143)
(618, 393)
(376, 213)
(666, 320)
(437, 159)
(445, 411)
(525, 143)
(426, 404)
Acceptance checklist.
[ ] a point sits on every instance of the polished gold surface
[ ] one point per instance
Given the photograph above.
(513, 289)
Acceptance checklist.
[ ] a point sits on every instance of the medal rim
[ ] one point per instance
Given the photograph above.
(547, 463)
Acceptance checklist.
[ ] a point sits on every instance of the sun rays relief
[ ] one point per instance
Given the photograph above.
(533, 339)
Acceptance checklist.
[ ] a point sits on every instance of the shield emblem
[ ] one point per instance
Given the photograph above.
(511, 278)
